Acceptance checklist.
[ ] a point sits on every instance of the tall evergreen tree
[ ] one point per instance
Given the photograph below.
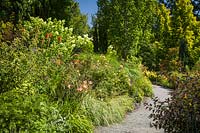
(162, 27)
(183, 21)
(196, 6)
(179, 29)
(95, 35)
(103, 23)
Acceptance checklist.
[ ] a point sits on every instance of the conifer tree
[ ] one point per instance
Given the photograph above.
(103, 23)
(183, 21)
(163, 25)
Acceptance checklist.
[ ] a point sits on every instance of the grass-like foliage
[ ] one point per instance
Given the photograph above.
(50, 81)
(107, 112)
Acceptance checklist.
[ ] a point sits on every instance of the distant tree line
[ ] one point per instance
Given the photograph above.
(68, 10)
(161, 33)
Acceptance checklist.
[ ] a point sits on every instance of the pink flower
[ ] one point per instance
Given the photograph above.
(85, 86)
(79, 89)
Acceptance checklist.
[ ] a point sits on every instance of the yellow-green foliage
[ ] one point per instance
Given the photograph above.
(183, 21)
(151, 75)
(172, 28)
(164, 19)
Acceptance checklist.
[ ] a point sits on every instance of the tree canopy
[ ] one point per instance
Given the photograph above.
(68, 10)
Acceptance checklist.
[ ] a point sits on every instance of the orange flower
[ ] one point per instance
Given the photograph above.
(50, 35)
(59, 39)
(76, 62)
(47, 36)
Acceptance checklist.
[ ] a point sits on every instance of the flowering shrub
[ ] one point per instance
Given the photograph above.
(34, 76)
(47, 75)
(52, 34)
(111, 78)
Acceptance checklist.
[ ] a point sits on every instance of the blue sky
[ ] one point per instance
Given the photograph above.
(88, 7)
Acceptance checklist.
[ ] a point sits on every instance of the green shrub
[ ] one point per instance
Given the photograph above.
(196, 67)
(35, 113)
(14, 66)
(140, 85)
(180, 112)
(24, 113)
(164, 79)
(7, 32)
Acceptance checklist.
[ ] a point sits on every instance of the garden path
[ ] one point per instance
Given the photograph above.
(137, 121)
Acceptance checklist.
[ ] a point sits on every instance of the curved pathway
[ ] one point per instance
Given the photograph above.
(137, 121)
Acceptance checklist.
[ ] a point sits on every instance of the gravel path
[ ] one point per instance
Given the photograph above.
(137, 121)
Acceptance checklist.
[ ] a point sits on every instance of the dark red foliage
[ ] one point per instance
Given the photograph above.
(181, 112)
